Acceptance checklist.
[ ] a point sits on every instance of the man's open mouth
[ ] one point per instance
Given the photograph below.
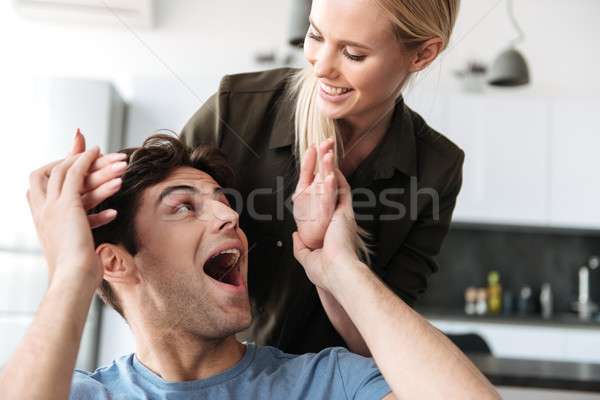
(223, 267)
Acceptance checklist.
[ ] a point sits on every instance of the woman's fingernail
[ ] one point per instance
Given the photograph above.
(120, 166)
(116, 157)
(110, 213)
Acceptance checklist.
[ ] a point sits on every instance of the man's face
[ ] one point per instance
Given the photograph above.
(192, 257)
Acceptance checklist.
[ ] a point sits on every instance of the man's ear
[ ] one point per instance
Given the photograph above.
(426, 54)
(117, 263)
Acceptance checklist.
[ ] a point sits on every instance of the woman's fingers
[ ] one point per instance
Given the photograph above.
(307, 169)
(77, 172)
(57, 176)
(326, 163)
(104, 161)
(92, 198)
(107, 173)
(78, 144)
(101, 218)
(38, 183)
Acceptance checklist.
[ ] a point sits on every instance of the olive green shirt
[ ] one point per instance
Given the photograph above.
(404, 193)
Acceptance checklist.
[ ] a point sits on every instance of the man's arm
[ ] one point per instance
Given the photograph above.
(42, 366)
(415, 358)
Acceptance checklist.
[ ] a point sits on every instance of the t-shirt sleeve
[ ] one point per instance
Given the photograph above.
(361, 377)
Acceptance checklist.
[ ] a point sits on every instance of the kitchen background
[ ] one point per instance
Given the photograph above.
(529, 207)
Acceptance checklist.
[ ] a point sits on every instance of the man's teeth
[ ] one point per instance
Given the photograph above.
(333, 91)
(234, 259)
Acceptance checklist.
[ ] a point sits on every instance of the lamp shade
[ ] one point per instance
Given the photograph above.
(300, 10)
(509, 69)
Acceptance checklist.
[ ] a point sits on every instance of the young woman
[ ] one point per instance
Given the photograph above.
(404, 175)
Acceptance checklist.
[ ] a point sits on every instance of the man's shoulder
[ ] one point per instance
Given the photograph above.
(330, 373)
(97, 384)
(331, 357)
(260, 81)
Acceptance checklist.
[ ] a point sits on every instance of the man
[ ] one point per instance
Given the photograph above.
(173, 261)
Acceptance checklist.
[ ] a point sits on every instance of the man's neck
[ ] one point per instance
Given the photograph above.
(177, 359)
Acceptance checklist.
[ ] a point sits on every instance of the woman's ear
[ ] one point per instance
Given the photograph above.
(426, 54)
(118, 264)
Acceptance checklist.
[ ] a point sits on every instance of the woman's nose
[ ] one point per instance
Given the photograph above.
(323, 61)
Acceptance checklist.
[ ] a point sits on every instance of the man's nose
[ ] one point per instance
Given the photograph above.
(223, 217)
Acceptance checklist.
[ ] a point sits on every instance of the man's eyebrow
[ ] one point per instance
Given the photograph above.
(184, 188)
(342, 42)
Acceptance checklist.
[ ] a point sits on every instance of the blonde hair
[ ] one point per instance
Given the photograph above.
(413, 22)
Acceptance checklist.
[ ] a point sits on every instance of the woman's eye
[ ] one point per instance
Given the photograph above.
(311, 35)
(352, 56)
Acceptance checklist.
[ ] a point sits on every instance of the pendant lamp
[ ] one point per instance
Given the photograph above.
(510, 67)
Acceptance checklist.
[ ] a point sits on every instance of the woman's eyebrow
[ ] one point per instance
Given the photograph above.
(342, 42)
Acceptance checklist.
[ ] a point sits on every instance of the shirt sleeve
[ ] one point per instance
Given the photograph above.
(411, 265)
(360, 377)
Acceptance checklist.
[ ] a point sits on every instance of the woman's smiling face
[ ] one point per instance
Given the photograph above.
(358, 62)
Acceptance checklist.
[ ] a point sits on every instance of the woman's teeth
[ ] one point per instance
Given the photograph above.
(333, 91)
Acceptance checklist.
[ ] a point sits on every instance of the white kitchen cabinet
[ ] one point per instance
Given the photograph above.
(575, 187)
(505, 175)
(529, 161)
(536, 342)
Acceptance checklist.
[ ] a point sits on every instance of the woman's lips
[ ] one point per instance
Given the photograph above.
(333, 94)
(333, 91)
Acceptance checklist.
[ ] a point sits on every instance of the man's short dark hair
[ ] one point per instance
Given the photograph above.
(152, 163)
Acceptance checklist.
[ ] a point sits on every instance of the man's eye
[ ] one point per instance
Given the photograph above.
(183, 208)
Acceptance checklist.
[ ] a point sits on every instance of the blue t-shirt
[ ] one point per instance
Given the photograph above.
(263, 373)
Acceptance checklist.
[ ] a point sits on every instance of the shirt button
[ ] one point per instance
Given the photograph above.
(279, 243)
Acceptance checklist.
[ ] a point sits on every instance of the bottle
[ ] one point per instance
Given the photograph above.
(494, 293)
(470, 298)
(546, 301)
(480, 301)
(524, 305)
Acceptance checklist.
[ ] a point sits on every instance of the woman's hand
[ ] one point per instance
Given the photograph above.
(103, 170)
(315, 197)
(59, 212)
(339, 243)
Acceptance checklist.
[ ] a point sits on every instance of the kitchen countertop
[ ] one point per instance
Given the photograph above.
(560, 320)
(538, 373)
